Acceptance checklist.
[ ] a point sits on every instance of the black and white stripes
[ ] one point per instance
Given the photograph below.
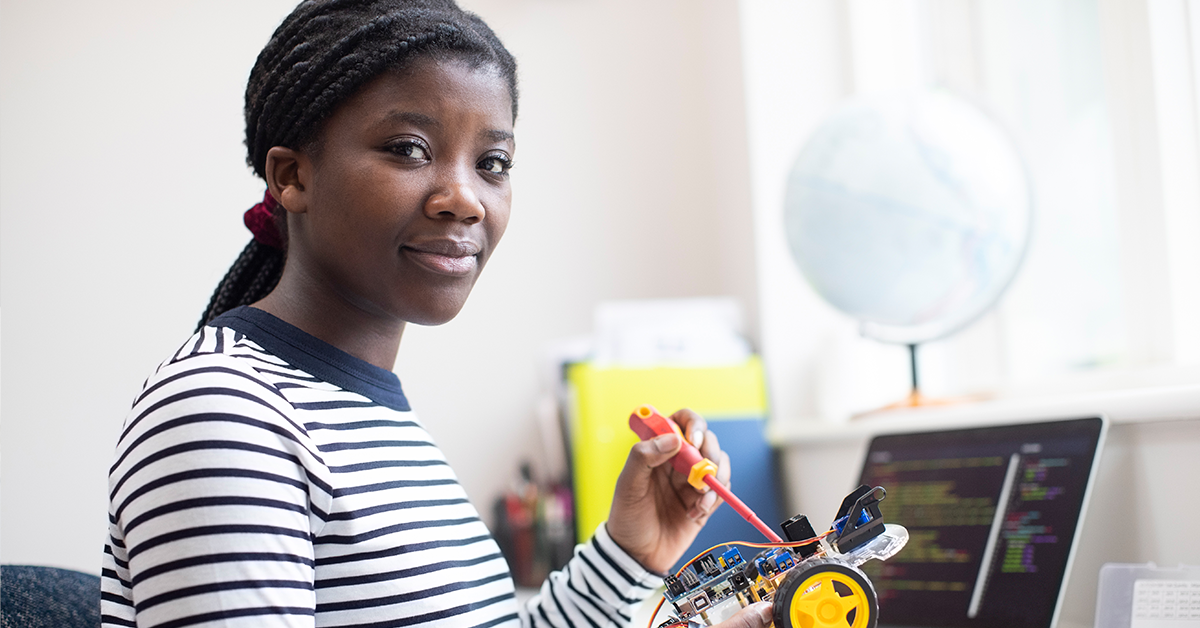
(264, 478)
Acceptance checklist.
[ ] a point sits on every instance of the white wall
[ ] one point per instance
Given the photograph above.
(122, 183)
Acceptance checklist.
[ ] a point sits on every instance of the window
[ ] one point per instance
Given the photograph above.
(1100, 97)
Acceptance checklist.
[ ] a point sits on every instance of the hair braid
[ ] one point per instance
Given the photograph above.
(349, 70)
(264, 281)
(252, 276)
(322, 54)
(337, 63)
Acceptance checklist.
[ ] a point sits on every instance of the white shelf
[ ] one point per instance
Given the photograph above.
(1167, 403)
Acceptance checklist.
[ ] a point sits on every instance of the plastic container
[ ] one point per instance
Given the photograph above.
(1148, 596)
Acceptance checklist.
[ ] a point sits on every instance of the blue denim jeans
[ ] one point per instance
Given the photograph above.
(48, 597)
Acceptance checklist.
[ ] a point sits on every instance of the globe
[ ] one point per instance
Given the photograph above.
(910, 213)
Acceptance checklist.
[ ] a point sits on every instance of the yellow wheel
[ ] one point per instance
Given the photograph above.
(825, 593)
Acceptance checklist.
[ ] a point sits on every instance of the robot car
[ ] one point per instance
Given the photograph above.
(813, 581)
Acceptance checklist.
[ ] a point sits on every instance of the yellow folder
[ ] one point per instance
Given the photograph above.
(601, 399)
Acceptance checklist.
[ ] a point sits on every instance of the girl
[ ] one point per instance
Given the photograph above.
(271, 471)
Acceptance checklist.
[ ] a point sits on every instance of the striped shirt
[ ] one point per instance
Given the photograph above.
(266, 478)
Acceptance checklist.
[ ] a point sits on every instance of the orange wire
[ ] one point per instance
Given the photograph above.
(653, 615)
(663, 599)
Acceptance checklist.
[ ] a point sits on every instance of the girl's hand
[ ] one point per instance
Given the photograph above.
(655, 513)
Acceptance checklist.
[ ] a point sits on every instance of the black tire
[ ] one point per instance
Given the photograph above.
(850, 584)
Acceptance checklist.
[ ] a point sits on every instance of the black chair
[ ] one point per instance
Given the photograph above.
(48, 597)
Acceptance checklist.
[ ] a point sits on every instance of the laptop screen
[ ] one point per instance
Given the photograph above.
(992, 514)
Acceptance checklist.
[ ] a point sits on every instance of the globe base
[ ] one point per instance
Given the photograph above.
(916, 399)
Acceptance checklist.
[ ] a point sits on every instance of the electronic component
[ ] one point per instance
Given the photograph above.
(771, 563)
(709, 565)
(799, 529)
(689, 579)
(719, 582)
(739, 581)
(858, 519)
(750, 572)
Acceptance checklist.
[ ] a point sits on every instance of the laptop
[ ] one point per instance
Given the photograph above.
(992, 514)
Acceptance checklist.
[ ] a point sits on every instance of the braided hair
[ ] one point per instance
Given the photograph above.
(322, 54)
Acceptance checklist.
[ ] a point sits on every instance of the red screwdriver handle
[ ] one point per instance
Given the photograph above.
(701, 472)
(647, 423)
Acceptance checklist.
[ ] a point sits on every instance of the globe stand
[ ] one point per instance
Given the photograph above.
(915, 399)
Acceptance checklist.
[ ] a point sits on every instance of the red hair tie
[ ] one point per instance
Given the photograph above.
(260, 220)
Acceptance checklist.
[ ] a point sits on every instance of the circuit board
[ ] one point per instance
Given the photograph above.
(717, 585)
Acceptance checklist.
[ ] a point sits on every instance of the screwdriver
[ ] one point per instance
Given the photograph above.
(700, 471)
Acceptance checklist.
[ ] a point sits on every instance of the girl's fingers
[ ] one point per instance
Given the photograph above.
(711, 449)
(724, 470)
(703, 506)
(693, 425)
(654, 452)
